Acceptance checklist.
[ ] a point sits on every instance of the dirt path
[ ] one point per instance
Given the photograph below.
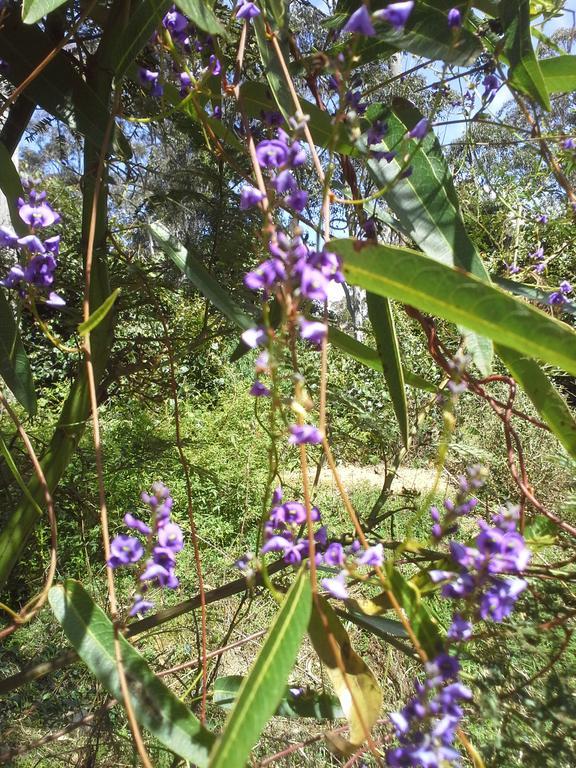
(407, 478)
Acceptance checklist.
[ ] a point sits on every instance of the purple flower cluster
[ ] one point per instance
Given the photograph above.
(561, 295)
(187, 39)
(348, 559)
(463, 505)
(395, 14)
(426, 727)
(486, 574)
(164, 539)
(35, 276)
(282, 526)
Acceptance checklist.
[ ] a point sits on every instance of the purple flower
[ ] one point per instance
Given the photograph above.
(124, 550)
(491, 85)
(140, 606)
(498, 601)
(373, 556)
(396, 14)
(171, 537)
(313, 331)
(246, 10)
(284, 182)
(147, 76)
(460, 629)
(272, 153)
(336, 586)
(185, 83)
(40, 270)
(7, 238)
(313, 284)
(297, 200)
(538, 254)
(266, 275)
(32, 243)
(454, 18)
(420, 129)
(334, 555)
(569, 144)
(37, 213)
(138, 525)
(215, 66)
(54, 300)
(253, 337)
(360, 23)
(249, 196)
(565, 287)
(14, 277)
(259, 390)
(175, 22)
(376, 132)
(304, 433)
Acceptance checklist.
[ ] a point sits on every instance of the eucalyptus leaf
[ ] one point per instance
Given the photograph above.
(155, 707)
(381, 316)
(425, 203)
(11, 187)
(202, 16)
(411, 277)
(34, 10)
(353, 681)
(14, 364)
(199, 276)
(264, 685)
(524, 73)
(559, 73)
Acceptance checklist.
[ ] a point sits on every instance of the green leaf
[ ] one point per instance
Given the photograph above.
(382, 320)
(156, 708)
(202, 16)
(11, 186)
(371, 359)
(124, 38)
(411, 277)
(353, 681)
(272, 68)
(263, 688)
(96, 317)
(34, 10)
(295, 702)
(426, 203)
(200, 277)
(524, 73)
(547, 400)
(559, 73)
(532, 293)
(14, 364)
(17, 476)
(426, 34)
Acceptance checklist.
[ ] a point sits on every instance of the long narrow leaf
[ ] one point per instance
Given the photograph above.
(559, 73)
(14, 364)
(411, 277)
(382, 319)
(426, 203)
(11, 186)
(156, 708)
(199, 276)
(263, 688)
(353, 681)
(524, 73)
